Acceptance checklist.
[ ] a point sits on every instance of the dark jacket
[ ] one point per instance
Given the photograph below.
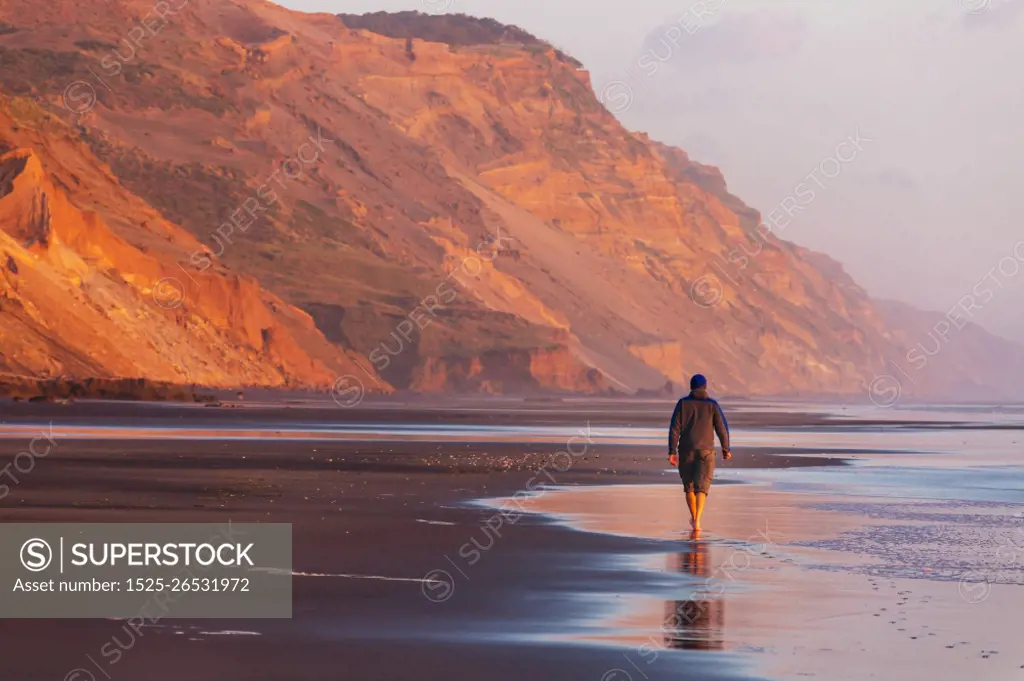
(694, 423)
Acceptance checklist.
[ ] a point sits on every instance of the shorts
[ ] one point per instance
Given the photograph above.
(696, 468)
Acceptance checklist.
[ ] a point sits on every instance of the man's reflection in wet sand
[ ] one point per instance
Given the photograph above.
(697, 623)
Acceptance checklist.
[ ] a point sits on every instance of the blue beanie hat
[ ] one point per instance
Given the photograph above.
(698, 381)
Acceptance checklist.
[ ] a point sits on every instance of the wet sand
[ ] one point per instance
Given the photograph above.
(760, 583)
(402, 575)
(378, 519)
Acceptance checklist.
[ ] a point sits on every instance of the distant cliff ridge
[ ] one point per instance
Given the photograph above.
(451, 29)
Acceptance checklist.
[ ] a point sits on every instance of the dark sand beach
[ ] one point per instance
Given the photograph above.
(409, 564)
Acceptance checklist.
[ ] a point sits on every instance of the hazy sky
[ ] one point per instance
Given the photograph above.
(766, 90)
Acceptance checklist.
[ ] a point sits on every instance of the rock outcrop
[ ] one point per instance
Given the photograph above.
(79, 300)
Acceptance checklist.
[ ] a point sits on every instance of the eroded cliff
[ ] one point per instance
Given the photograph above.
(444, 199)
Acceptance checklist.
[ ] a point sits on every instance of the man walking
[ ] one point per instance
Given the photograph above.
(691, 444)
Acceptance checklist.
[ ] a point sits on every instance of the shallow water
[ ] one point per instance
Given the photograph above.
(907, 564)
(922, 429)
(903, 565)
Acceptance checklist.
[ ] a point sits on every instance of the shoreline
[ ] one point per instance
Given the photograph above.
(526, 596)
(375, 519)
(791, 598)
(765, 414)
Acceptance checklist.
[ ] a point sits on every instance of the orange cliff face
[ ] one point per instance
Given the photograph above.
(627, 238)
(80, 300)
(441, 196)
(509, 372)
